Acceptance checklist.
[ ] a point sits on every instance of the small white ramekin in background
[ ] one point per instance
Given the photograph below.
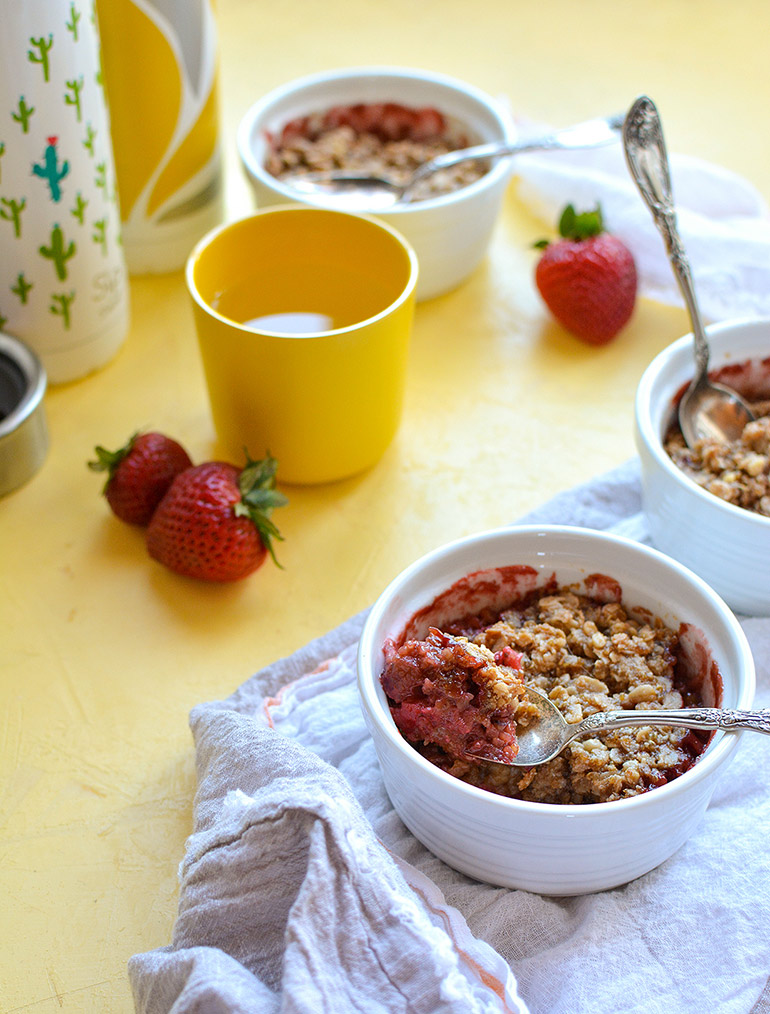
(449, 233)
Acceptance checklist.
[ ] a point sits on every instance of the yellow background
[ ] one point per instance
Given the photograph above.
(104, 653)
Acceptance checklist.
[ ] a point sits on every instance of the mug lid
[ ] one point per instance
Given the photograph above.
(23, 429)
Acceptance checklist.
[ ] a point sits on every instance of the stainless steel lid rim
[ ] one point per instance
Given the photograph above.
(23, 429)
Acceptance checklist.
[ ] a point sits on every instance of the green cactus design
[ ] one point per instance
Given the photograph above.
(72, 24)
(49, 169)
(79, 211)
(88, 144)
(100, 179)
(99, 234)
(99, 75)
(22, 287)
(57, 252)
(41, 57)
(11, 211)
(60, 306)
(72, 97)
(2, 152)
(23, 115)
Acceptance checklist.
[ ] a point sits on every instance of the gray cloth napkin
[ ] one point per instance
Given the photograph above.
(301, 891)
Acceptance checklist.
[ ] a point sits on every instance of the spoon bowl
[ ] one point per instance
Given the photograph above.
(368, 192)
(549, 733)
(706, 410)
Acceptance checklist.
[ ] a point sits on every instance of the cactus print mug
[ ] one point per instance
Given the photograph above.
(63, 280)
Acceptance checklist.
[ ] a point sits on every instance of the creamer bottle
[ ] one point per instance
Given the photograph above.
(159, 59)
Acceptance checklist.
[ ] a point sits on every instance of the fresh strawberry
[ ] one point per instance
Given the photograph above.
(139, 474)
(587, 278)
(214, 522)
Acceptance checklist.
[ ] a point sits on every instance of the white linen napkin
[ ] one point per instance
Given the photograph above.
(302, 891)
(723, 221)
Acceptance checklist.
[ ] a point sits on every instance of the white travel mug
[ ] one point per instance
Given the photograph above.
(63, 279)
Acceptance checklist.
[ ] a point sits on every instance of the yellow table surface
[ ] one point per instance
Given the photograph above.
(104, 652)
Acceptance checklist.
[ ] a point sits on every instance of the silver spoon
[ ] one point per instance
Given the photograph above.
(378, 192)
(706, 410)
(549, 733)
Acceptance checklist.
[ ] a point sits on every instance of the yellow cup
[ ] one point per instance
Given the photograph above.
(304, 317)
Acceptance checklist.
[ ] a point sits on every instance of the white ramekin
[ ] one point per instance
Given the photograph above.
(450, 233)
(541, 847)
(728, 546)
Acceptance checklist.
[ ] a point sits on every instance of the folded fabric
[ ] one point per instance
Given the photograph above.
(722, 218)
(302, 891)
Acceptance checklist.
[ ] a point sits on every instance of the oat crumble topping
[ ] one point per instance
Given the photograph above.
(379, 139)
(586, 656)
(739, 471)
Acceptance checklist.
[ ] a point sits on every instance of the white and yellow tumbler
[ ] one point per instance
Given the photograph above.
(159, 59)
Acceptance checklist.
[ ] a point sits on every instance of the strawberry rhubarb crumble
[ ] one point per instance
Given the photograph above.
(379, 139)
(458, 691)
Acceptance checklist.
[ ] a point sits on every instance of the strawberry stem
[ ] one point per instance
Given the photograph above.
(580, 226)
(108, 461)
(576, 226)
(259, 498)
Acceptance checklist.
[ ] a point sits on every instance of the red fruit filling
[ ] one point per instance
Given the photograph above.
(389, 121)
(458, 691)
(454, 694)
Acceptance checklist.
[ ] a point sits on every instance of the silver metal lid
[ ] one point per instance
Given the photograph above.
(23, 429)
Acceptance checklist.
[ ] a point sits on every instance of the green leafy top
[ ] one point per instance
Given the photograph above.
(108, 461)
(259, 497)
(576, 226)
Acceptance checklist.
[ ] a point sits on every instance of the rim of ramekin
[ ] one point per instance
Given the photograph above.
(500, 170)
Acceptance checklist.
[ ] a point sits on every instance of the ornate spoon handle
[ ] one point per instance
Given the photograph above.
(592, 134)
(688, 718)
(647, 160)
